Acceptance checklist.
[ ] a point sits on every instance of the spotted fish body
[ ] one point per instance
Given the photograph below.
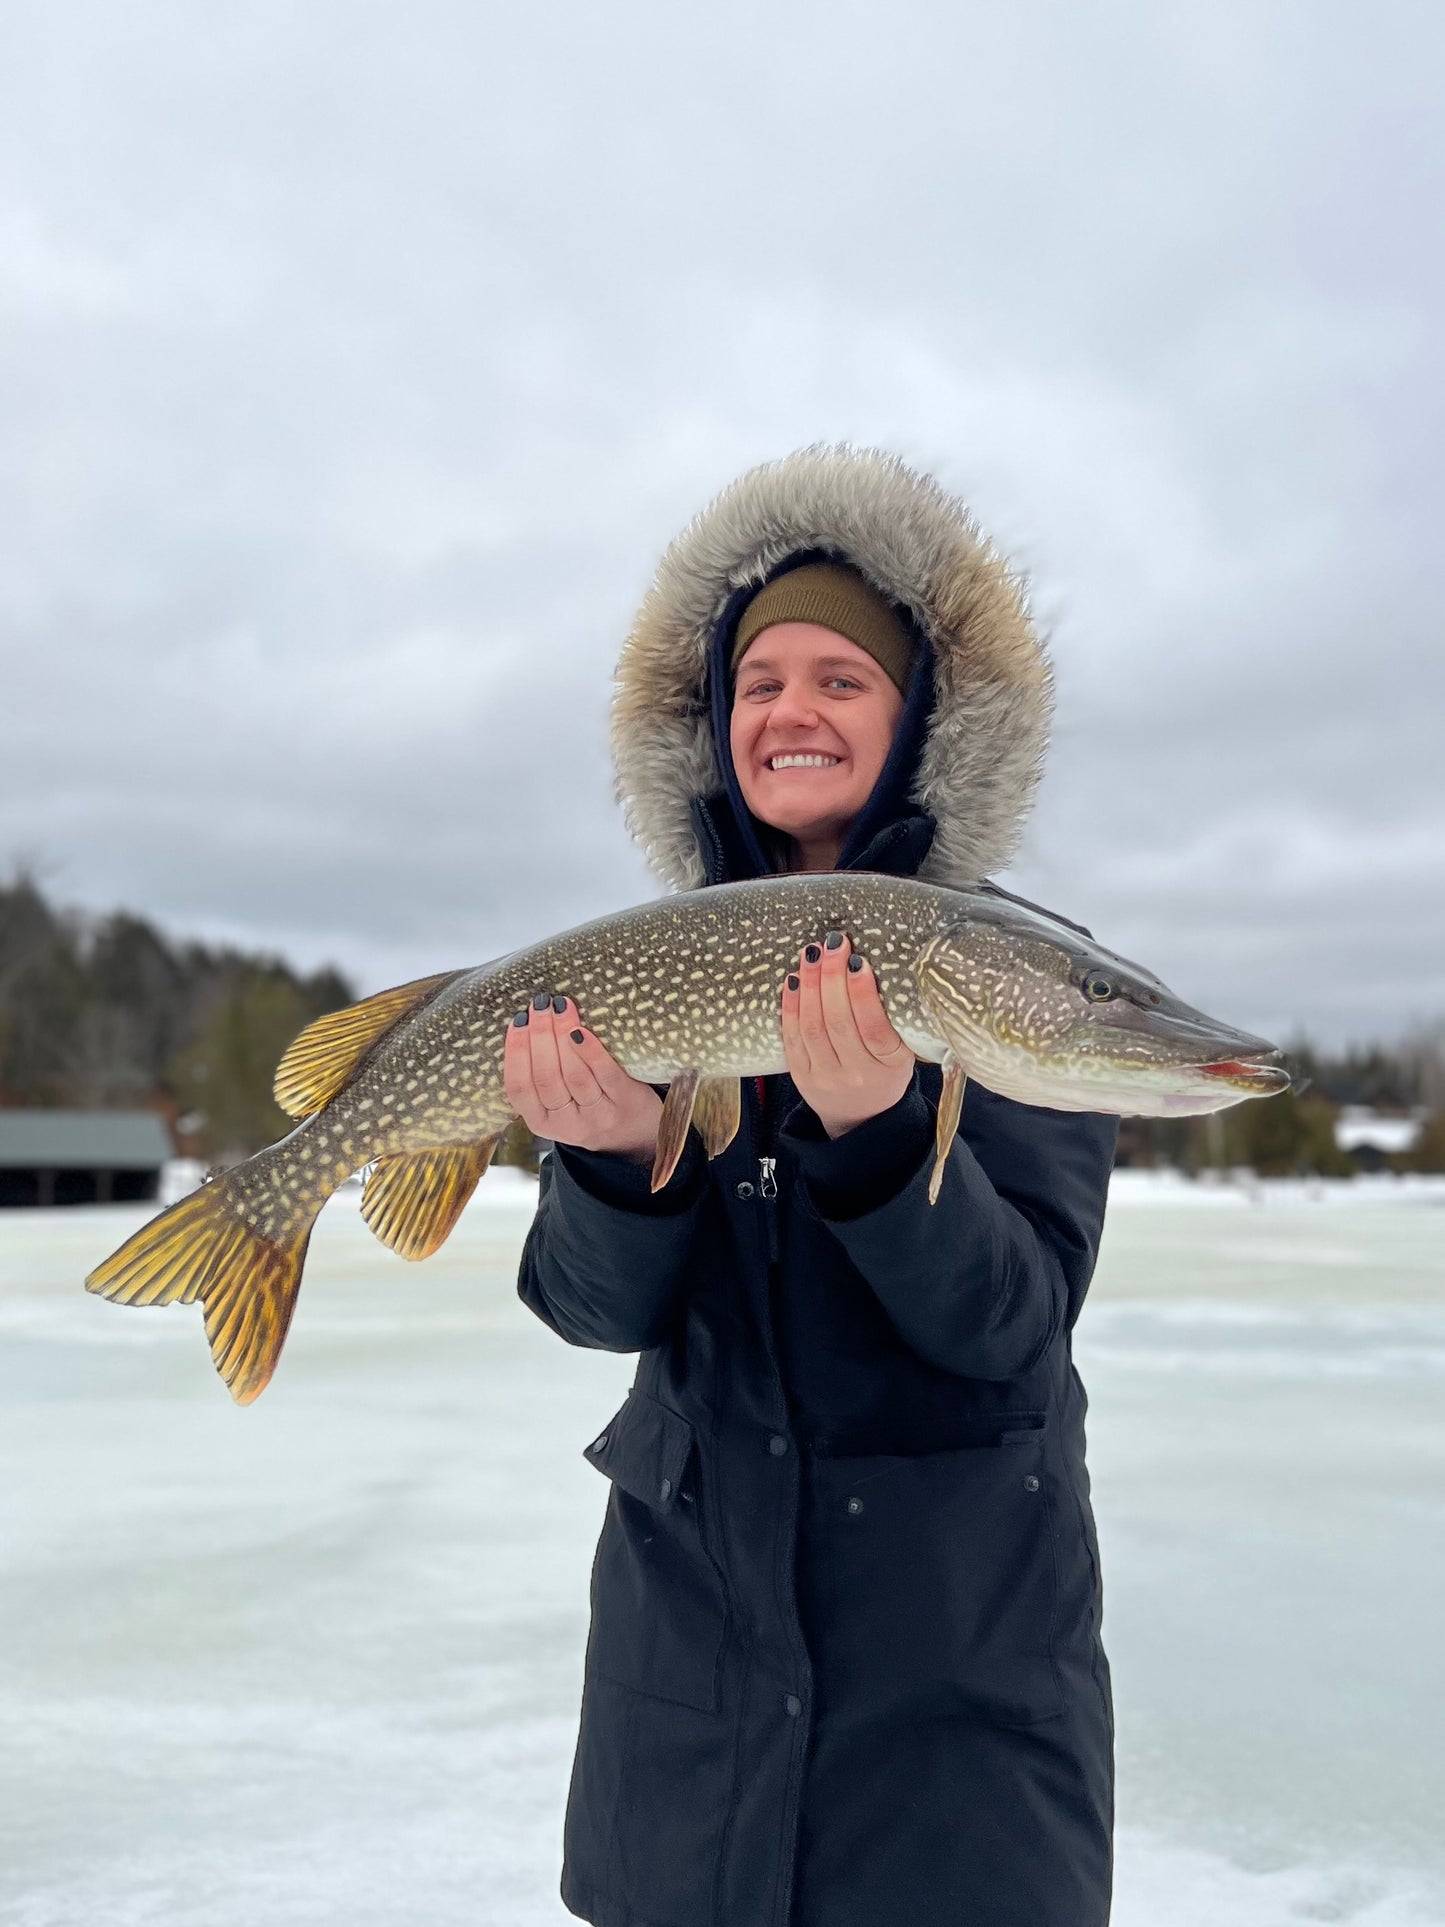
(685, 992)
(691, 981)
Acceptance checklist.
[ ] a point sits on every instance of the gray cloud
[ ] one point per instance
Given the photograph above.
(358, 369)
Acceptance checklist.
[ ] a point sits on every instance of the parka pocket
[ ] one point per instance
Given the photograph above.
(659, 1610)
(930, 1584)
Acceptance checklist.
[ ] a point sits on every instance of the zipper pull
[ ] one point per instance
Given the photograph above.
(768, 1184)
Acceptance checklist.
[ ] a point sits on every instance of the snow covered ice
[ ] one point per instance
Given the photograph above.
(319, 1660)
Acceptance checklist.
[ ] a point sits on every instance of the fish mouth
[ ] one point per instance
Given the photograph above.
(1262, 1076)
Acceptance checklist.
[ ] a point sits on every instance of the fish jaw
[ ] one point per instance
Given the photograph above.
(1120, 1087)
(1013, 1009)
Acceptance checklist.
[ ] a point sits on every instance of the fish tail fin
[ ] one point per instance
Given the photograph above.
(202, 1249)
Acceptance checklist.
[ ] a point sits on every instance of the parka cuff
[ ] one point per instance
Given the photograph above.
(626, 1185)
(867, 1167)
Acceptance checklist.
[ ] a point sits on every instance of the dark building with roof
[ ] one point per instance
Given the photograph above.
(80, 1157)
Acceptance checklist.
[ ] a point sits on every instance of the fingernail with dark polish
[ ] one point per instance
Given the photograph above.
(541, 1000)
(812, 953)
(834, 940)
(575, 1035)
(792, 983)
(559, 1004)
(855, 962)
(520, 1020)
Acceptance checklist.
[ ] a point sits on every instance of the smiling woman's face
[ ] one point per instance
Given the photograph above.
(812, 721)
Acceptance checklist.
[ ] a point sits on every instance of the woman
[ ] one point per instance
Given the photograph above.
(844, 1667)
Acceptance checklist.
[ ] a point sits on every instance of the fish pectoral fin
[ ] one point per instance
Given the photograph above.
(200, 1248)
(326, 1056)
(718, 1111)
(677, 1109)
(950, 1109)
(412, 1199)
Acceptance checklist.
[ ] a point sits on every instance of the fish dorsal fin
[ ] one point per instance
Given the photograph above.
(326, 1056)
(718, 1111)
(412, 1200)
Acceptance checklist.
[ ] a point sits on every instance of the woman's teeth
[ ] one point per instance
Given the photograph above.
(802, 762)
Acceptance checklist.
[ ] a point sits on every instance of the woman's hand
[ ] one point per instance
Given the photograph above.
(566, 1087)
(846, 1059)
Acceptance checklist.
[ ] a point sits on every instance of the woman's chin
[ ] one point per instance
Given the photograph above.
(804, 816)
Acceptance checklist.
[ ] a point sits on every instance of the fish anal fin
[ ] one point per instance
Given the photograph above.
(412, 1199)
(200, 1248)
(326, 1056)
(718, 1111)
(950, 1109)
(672, 1128)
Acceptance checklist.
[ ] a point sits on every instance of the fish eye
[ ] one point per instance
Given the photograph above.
(1098, 989)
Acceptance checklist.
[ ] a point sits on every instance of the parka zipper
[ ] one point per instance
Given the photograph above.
(768, 1193)
(762, 1136)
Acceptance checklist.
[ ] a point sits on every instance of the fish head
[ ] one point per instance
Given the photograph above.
(1038, 1012)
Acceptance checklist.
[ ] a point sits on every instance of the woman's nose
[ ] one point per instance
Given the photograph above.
(794, 705)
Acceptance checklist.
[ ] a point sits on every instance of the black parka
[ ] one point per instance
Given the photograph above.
(844, 1667)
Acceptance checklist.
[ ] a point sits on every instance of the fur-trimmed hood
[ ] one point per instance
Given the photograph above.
(988, 729)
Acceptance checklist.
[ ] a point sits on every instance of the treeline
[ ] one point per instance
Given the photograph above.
(102, 1013)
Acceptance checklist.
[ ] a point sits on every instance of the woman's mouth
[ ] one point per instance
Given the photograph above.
(794, 759)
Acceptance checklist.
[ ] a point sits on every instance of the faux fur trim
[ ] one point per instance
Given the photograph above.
(918, 545)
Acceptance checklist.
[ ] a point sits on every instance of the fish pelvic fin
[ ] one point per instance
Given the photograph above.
(201, 1249)
(412, 1200)
(324, 1059)
(718, 1112)
(950, 1109)
(672, 1128)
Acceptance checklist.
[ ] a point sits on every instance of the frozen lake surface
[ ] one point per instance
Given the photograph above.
(319, 1661)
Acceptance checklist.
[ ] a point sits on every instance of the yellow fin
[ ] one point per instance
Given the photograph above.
(327, 1055)
(718, 1111)
(412, 1200)
(200, 1249)
(673, 1125)
(950, 1109)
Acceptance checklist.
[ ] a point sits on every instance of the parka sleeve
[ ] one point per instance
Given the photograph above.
(983, 1281)
(605, 1259)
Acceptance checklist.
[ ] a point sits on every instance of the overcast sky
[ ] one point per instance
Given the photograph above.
(357, 363)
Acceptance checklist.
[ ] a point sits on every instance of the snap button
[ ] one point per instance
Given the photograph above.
(666, 1491)
(597, 1444)
(745, 1190)
(792, 1705)
(777, 1445)
(1031, 1484)
(855, 1506)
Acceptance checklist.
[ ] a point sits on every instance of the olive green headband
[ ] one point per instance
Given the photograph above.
(837, 597)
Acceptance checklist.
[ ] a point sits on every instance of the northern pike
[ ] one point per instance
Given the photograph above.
(684, 991)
